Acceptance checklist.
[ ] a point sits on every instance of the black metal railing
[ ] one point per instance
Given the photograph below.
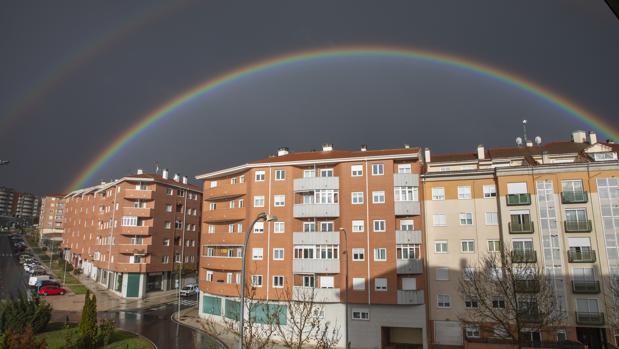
(589, 287)
(577, 226)
(574, 197)
(521, 228)
(518, 199)
(587, 256)
(524, 256)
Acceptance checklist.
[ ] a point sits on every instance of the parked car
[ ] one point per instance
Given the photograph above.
(43, 283)
(36, 269)
(51, 290)
(189, 290)
(35, 278)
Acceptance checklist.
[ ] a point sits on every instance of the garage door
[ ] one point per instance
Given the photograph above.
(447, 332)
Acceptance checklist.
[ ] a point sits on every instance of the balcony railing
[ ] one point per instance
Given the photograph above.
(531, 316)
(521, 228)
(409, 266)
(588, 287)
(413, 297)
(316, 210)
(577, 226)
(574, 197)
(405, 180)
(518, 199)
(589, 318)
(581, 256)
(524, 256)
(139, 194)
(331, 266)
(526, 286)
(320, 295)
(407, 208)
(407, 237)
(316, 183)
(316, 237)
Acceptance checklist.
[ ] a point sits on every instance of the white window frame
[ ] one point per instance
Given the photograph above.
(358, 284)
(280, 281)
(380, 284)
(356, 170)
(439, 220)
(279, 200)
(276, 252)
(378, 169)
(464, 217)
(358, 254)
(465, 192)
(378, 222)
(356, 198)
(358, 226)
(444, 303)
(377, 196)
(467, 243)
(279, 227)
(257, 253)
(256, 280)
(380, 254)
(359, 314)
(280, 175)
(489, 191)
(489, 220)
(258, 200)
(438, 193)
(441, 243)
(259, 176)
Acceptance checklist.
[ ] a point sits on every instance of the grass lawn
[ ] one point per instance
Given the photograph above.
(56, 333)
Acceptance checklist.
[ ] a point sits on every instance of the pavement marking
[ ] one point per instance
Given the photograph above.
(185, 302)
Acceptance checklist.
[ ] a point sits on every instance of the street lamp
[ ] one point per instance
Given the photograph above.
(342, 230)
(261, 217)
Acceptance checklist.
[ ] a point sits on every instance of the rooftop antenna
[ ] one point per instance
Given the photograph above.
(524, 129)
(156, 167)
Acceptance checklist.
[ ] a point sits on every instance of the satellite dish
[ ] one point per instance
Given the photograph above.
(538, 140)
(519, 140)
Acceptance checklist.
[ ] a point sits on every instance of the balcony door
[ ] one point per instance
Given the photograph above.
(576, 215)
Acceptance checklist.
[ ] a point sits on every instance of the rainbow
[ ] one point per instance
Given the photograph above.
(209, 85)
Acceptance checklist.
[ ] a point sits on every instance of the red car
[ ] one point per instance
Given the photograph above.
(51, 290)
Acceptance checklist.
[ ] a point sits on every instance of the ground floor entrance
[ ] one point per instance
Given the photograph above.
(593, 337)
(401, 338)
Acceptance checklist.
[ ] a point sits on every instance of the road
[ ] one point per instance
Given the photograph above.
(12, 274)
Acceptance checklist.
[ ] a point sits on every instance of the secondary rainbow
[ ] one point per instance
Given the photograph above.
(167, 108)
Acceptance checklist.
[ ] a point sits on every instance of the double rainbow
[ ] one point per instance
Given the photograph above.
(484, 70)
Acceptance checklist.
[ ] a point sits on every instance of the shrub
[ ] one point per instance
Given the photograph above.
(18, 314)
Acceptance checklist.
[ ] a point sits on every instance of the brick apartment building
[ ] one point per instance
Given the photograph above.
(556, 203)
(133, 235)
(19, 207)
(51, 218)
(372, 194)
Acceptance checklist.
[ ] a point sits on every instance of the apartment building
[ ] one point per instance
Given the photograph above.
(135, 235)
(554, 204)
(18, 207)
(51, 218)
(372, 194)
(6, 202)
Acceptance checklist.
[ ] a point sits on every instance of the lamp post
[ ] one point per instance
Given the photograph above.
(342, 230)
(261, 217)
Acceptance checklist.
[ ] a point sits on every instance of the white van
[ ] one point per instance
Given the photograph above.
(33, 279)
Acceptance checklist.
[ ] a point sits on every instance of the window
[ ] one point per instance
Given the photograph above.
(407, 251)
(231, 228)
(358, 254)
(211, 229)
(242, 179)
(165, 259)
(468, 246)
(256, 280)
(356, 170)
(259, 228)
(279, 200)
(489, 191)
(604, 156)
(464, 193)
(213, 184)
(259, 176)
(278, 254)
(326, 196)
(309, 173)
(380, 254)
(209, 276)
(327, 282)
(360, 314)
(241, 203)
(407, 224)
(278, 281)
(327, 226)
(443, 301)
(228, 278)
(168, 208)
(168, 225)
(439, 220)
(231, 204)
(442, 274)
(166, 242)
(438, 193)
(130, 221)
(406, 193)
(492, 218)
(440, 246)
(472, 331)
(309, 227)
(169, 191)
(239, 227)
(494, 246)
(466, 218)
(358, 284)
(378, 169)
(380, 284)
(404, 168)
(357, 198)
(471, 302)
(279, 227)
(379, 225)
(233, 180)
(212, 206)
(308, 281)
(326, 172)
(575, 216)
(258, 201)
(378, 197)
(280, 175)
(135, 259)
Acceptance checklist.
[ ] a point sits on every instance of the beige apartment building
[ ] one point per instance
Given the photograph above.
(135, 235)
(51, 218)
(372, 194)
(556, 203)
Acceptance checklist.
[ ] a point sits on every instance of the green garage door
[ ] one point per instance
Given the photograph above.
(133, 285)
(211, 305)
(232, 309)
(265, 313)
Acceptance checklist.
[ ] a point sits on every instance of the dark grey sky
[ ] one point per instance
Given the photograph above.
(112, 62)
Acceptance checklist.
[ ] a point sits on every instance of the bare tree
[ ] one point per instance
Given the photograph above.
(306, 322)
(507, 293)
(611, 296)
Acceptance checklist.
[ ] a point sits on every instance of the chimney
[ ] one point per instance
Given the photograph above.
(529, 143)
(327, 147)
(282, 151)
(364, 147)
(406, 146)
(593, 138)
(545, 157)
(610, 141)
(184, 179)
(177, 177)
(164, 174)
(481, 152)
(140, 171)
(579, 136)
(426, 155)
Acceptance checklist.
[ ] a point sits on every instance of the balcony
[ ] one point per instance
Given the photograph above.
(587, 256)
(409, 266)
(132, 249)
(138, 230)
(577, 226)
(316, 210)
(138, 212)
(316, 238)
(574, 197)
(316, 183)
(221, 263)
(589, 318)
(585, 287)
(521, 228)
(530, 316)
(224, 215)
(405, 180)
(407, 237)
(518, 199)
(526, 286)
(412, 297)
(407, 208)
(329, 266)
(139, 194)
(526, 256)
(320, 295)
(225, 191)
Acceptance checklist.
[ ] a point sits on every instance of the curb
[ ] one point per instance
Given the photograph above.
(141, 336)
(221, 343)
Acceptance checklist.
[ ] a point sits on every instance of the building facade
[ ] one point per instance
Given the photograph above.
(136, 235)
(556, 203)
(373, 195)
(51, 219)
(18, 208)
